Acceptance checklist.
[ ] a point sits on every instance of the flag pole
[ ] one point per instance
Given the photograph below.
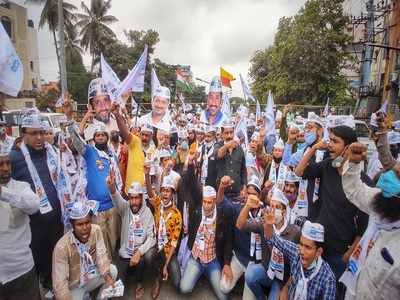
(137, 110)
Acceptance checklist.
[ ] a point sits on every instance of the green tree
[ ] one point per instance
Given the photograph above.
(305, 61)
(78, 77)
(94, 27)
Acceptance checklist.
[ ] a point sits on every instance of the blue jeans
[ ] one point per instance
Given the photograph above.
(194, 270)
(257, 279)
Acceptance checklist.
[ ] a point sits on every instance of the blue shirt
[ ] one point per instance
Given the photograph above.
(97, 168)
(321, 287)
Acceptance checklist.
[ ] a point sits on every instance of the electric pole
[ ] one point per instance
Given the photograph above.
(63, 68)
(368, 51)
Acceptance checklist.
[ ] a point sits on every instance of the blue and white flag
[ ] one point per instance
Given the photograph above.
(226, 105)
(11, 69)
(246, 90)
(134, 81)
(241, 130)
(155, 83)
(326, 109)
(258, 111)
(110, 78)
(270, 116)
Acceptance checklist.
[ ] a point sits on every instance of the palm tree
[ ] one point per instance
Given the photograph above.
(94, 27)
(49, 16)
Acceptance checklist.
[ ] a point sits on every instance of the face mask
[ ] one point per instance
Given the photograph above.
(338, 161)
(301, 146)
(310, 138)
(101, 147)
(278, 216)
(389, 183)
(184, 145)
(313, 264)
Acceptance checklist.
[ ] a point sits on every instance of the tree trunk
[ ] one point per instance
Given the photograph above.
(58, 55)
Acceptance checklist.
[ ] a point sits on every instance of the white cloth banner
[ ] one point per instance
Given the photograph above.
(134, 81)
(11, 69)
(110, 78)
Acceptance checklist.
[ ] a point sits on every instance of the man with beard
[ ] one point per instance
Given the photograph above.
(213, 114)
(100, 159)
(159, 116)
(137, 251)
(230, 161)
(17, 202)
(206, 159)
(277, 170)
(36, 163)
(100, 107)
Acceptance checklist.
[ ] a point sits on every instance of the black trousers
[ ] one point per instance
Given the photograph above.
(24, 287)
(44, 239)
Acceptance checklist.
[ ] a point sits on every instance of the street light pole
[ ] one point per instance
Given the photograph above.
(63, 68)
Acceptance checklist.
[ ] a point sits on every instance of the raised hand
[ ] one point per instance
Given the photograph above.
(111, 182)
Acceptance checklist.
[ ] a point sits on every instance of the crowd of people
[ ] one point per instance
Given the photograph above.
(299, 213)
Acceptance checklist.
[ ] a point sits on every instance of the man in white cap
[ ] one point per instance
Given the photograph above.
(277, 170)
(18, 278)
(311, 276)
(230, 161)
(253, 164)
(165, 169)
(36, 163)
(100, 159)
(168, 222)
(213, 114)
(99, 107)
(138, 241)
(80, 260)
(210, 243)
(206, 158)
(272, 271)
(297, 201)
(5, 140)
(159, 116)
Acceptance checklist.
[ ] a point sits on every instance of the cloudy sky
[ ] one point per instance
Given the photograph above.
(205, 34)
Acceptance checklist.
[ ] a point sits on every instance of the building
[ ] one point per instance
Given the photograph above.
(23, 34)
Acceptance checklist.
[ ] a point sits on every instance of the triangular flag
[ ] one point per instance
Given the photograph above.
(258, 111)
(326, 109)
(270, 116)
(246, 90)
(241, 129)
(155, 83)
(110, 78)
(134, 81)
(11, 69)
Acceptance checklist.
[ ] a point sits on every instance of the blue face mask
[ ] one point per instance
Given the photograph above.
(184, 145)
(301, 146)
(310, 138)
(389, 183)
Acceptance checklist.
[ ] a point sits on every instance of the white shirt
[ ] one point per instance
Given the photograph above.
(17, 201)
(203, 119)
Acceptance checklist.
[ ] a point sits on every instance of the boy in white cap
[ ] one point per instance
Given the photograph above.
(206, 158)
(80, 260)
(213, 114)
(311, 276)
(18, 278)
(210, 242)
(138, 240)
(277, 170)
(36, 162)
(159, 116)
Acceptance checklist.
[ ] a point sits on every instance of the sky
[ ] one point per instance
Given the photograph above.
(205, 34)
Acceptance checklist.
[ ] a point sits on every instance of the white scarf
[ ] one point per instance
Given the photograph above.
(58, 177)
(255, 239)
(276, 267)
(280, 181)
(302, 284)
(360, 253)
(201, 232)
(162, 228)
(87, 266)
(135, 234)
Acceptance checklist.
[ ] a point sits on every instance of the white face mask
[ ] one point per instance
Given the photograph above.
(278, 216)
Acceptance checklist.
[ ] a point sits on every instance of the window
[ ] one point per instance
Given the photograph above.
(6, 21)
(31, 24)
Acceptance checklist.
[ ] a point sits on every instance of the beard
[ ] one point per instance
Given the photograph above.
(101, 147)
(277, 160)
